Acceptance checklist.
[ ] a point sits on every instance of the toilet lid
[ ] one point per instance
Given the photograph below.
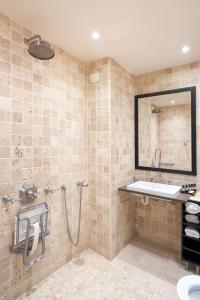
(186, 285)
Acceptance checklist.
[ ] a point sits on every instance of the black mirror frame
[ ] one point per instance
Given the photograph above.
(193, 171)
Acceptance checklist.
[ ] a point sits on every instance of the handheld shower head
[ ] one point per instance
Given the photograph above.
(39, 49)
(82, 183)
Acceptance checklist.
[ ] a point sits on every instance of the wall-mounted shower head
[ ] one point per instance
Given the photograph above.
(39, 49)
(155, 109)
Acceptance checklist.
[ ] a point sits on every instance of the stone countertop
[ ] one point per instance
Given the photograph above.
(181, 197)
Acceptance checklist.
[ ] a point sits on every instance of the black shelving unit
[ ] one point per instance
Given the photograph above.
(190, 247)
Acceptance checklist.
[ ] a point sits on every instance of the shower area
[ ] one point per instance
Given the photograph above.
(166, 147)
(46, 144)
(60, 147)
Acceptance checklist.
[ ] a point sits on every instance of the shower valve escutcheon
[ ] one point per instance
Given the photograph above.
(27, 193)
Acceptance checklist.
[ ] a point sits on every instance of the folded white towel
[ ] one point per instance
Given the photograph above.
(192, 219)
(192, 208)
(189, 231)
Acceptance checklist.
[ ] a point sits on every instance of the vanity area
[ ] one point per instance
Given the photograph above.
(165, 170)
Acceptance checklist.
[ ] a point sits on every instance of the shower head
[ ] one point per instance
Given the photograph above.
(155, 109)
(39, 49)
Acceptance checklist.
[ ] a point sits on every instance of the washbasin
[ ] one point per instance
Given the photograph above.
(155, 188)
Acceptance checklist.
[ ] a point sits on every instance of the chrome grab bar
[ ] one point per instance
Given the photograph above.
(157, 150)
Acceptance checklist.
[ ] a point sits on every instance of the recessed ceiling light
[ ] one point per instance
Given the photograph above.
(185, 49)
(95, 35)
(172, 102)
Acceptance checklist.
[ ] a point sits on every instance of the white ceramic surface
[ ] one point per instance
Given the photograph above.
(188, 287)
(155, 188)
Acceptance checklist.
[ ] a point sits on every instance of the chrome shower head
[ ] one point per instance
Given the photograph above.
(155, 109)
(39, 49)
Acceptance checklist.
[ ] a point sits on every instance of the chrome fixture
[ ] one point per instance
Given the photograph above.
(81, 184)
(157, 158)
(27, 193)
(39, 48)
(155, 109)
(8, 198)
(158, 175)
(48, 190)
(27, 234)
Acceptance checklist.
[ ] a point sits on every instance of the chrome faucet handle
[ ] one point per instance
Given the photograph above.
(8, 198)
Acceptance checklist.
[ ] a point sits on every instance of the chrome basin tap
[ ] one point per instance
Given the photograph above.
(156, 175)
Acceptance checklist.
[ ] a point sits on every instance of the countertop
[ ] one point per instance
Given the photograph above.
(181, 197)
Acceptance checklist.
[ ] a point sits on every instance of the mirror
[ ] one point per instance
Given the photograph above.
(165, 131)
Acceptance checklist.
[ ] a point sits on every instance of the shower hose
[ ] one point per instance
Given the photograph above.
(76, 241)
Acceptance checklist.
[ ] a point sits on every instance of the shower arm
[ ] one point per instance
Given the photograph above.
(35, 37)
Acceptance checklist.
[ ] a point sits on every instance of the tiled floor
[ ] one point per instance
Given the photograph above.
(136, 273)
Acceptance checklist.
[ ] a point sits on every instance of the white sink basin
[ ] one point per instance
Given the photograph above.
(155, 188)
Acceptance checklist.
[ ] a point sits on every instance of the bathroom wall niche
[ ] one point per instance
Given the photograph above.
(165, 131)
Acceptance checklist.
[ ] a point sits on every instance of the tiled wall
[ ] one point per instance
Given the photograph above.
(122, 156)
(144, 131)
(166, 230)
(159, 222)
(157, 131)
(111, 157)
(58, 127)
(173, 147)
(43, 140)
(99, 157)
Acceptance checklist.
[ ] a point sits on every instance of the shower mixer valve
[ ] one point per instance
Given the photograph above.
(27, 193)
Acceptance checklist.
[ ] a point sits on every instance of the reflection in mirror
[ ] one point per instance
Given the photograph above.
(165, 131)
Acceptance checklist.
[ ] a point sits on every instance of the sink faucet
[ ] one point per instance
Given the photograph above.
(158, 175)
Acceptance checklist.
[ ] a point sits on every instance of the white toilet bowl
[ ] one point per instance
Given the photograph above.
(188, 287)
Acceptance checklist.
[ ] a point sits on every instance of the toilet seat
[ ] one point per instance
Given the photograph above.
(186, 285)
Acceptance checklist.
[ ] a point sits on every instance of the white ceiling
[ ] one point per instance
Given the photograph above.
(142, 35)
(165, 100)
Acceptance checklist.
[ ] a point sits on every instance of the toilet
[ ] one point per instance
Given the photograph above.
(188, 287)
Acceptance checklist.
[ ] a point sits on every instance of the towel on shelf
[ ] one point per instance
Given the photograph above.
(192, 208)
(191, 232)
(192, 219)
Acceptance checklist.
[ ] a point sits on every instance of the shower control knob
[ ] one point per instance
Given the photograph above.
(32, 195)
(28, 193)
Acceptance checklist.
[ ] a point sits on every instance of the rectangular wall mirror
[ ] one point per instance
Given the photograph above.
(165, 131)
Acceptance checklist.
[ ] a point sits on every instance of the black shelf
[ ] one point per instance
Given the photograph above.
(191, 238)
(187, 213)
(185, 223)
(190, 248)
(191, 258)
